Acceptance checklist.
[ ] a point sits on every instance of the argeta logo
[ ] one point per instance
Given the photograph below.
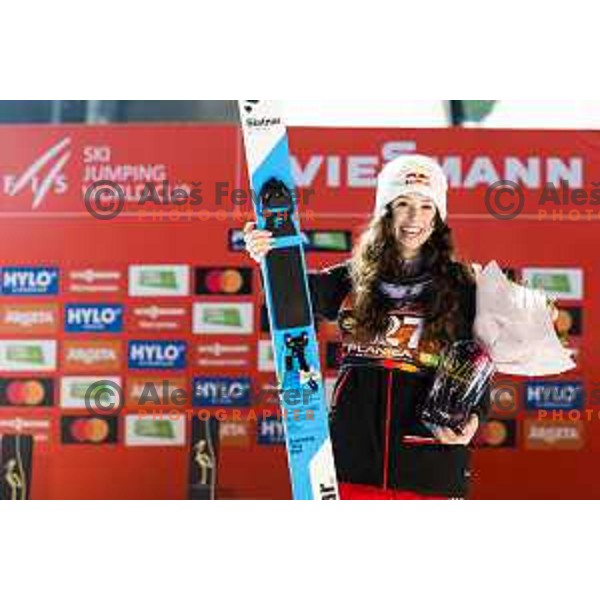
(234, 434)
(549, 435)
(32, 319)
(91, 356)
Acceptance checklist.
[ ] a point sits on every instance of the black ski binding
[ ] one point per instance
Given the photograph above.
(278, 207)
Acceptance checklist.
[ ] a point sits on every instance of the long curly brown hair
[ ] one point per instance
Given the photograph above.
(377, 257)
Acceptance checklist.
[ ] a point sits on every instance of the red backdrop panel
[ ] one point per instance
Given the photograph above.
(44, 172)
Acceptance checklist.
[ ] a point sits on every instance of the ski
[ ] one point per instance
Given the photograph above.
(295, 348)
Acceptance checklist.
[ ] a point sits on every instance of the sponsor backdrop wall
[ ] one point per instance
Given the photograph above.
(161, 303)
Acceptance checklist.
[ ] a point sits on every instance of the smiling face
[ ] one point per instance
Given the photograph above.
(414, 222)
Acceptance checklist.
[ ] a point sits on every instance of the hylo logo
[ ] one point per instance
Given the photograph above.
(555, 396)
(271, 432)
(17, 281)
(161, 355)
(94, 317)
(222, 391)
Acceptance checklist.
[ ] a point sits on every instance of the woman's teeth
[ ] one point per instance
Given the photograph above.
(411, 230)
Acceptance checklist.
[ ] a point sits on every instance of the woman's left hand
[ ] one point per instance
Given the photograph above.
(445, 435)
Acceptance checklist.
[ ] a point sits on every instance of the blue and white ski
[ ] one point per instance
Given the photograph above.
(295, 349)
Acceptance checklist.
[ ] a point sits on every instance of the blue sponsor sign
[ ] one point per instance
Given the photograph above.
(29, 281)
(221, 391)
(93, 318)
(554, 395)
(236, 240)
(270, 432)
(157, 354)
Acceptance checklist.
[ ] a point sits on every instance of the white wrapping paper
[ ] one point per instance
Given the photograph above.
(515, 325)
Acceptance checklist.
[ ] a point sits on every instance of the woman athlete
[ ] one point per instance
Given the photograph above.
(400, 299)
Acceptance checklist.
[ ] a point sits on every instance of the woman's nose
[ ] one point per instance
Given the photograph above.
(413, 213)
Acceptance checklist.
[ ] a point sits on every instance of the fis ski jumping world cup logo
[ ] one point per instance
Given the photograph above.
(43, 176)
(157, 355)
(29, 281)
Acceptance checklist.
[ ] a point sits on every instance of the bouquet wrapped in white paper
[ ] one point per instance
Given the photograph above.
(514, 323)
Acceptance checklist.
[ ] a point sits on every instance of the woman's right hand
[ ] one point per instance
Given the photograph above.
(258, 242)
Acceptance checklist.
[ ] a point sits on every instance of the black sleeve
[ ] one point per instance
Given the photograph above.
(328, 288)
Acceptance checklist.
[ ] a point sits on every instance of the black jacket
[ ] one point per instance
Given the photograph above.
(377, 438)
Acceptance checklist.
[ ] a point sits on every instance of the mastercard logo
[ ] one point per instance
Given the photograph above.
(495, 433)
(227, 282)
(224, 281)
(89, 431)
(25, 393)
(564, 323)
